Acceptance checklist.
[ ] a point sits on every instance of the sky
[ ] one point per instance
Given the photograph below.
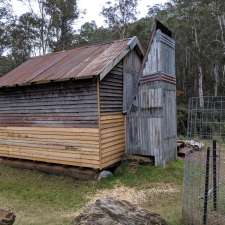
(92, 8)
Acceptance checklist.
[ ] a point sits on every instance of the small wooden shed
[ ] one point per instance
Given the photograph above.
(151, 120)
(87, 106)
(67, 107)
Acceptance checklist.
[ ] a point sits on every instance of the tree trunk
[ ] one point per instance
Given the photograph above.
(221, 22)
(216, 78)
(200, 85)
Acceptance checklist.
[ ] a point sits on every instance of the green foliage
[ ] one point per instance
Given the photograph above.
(5, 21)
(23, 35)
(182, 117)
(6, 64)
(90, 33)
(62, 13)
(120, 14)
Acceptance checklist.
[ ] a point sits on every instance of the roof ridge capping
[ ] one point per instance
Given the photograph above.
(131, 44)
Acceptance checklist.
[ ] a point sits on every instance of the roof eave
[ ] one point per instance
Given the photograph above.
(47, 82)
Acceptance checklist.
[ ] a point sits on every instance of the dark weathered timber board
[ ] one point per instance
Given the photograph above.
(111, 91)
(65, 104)
(132, 65)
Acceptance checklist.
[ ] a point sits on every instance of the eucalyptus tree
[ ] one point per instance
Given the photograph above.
(62, 14)
(23, 38)
(6, 19)
(120, 14)
(55, 20)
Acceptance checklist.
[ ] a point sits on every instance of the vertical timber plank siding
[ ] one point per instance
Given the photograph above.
(112, 130)
(169, 128)
(152, 122)
(131, 71)
(161, 57)
(56, 123)
(144, 122)
(151, 64)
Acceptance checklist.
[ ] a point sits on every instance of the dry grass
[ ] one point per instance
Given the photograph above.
(41, 199)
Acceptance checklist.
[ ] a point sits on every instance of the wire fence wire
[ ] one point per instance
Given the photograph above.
(204, 173)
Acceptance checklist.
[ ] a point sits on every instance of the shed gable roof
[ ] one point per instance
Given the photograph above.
(78, 63)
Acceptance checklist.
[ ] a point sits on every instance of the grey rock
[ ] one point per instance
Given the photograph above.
(7, 217)
(104, 174)
(109, 211)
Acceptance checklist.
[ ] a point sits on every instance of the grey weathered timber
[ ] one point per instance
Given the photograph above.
(65, 104)
(111, 91)
(161, 57)
(131, 72)
(151, 120)
(151, 123)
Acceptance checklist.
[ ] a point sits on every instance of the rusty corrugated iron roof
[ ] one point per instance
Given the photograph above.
(78, 63)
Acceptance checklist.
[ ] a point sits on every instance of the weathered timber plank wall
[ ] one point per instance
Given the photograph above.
(144, 122)
(65, 104)
(112, 132)
(161, 57)
(151, 123)
(56, 123)
(169, 128)
(111, 91)
(131, 72)
(151, 65)
(167, 55)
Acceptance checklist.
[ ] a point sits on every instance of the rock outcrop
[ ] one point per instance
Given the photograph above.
(109, 211)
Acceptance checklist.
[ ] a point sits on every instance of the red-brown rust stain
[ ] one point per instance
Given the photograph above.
(79, 63)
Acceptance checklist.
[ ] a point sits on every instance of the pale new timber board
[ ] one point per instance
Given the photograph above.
(70, 146)
(112, 138)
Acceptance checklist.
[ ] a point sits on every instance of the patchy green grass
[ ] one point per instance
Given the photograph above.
(173, 173)
(38, 198)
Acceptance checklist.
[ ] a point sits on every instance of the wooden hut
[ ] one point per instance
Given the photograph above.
(67, 107)
(73, 107)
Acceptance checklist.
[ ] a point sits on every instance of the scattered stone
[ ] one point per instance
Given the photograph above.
(7, 217)
(109, 211)
(104, 174)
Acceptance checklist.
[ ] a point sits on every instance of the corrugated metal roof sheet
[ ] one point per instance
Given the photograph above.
(79, 63)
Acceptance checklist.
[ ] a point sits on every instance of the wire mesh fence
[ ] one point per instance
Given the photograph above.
(206, 118)
(204, 173)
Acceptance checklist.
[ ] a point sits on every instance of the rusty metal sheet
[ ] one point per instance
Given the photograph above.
(79, 63)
